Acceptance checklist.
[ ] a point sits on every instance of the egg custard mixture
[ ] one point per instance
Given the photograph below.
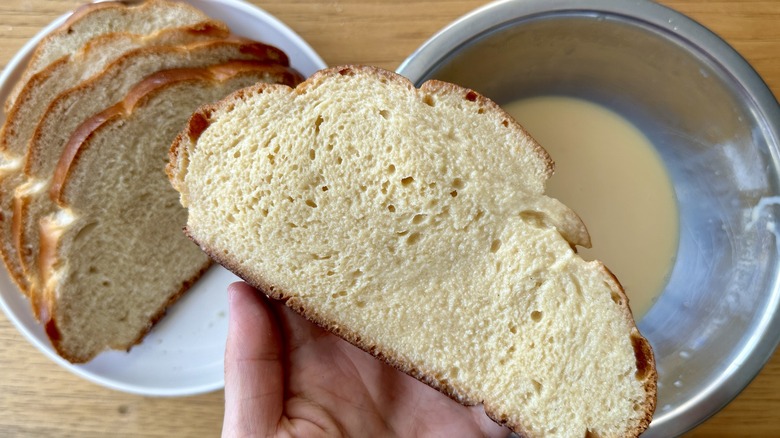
(611, 175)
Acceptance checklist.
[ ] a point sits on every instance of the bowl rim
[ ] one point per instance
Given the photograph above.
(756, 350)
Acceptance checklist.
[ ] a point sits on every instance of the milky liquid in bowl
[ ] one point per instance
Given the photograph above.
(608, 172)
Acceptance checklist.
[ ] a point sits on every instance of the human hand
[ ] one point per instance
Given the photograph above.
(286, 377)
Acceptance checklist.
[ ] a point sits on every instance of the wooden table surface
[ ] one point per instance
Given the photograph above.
(40, 399)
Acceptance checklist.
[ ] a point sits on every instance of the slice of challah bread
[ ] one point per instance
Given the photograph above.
(103, 31)
(96, 19)
(113, 254)
(67, 72)
(19, 242)
(42, 87)
(413, 223)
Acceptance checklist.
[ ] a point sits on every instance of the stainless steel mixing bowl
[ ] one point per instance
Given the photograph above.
(716, 126)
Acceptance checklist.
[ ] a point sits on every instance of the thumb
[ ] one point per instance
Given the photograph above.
(254, 381)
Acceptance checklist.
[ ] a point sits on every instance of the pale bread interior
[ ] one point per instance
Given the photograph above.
(413, 223)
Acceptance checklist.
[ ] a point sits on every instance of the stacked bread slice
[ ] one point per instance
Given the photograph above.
(108, 19)
(89, 230)
(91, 38)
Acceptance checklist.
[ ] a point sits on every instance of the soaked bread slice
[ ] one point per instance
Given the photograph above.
(23, 202)
(104, 18)
(413, 223)
(113, 255)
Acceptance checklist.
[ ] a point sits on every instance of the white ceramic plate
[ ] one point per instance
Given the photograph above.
(183, 354)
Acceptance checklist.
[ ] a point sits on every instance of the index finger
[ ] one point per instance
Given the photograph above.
(254, 380)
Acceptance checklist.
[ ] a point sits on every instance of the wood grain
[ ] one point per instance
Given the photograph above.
(40, 399)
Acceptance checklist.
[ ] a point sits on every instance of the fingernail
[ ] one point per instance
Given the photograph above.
(232, 291)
